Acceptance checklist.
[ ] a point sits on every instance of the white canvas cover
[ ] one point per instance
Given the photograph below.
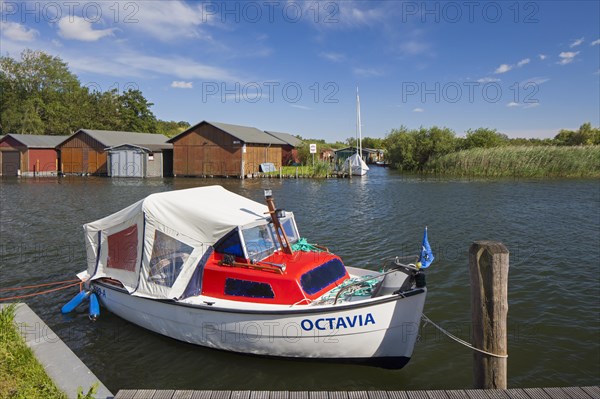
(153, 246)
(355, 165)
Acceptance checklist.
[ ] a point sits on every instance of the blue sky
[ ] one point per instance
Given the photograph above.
(526, 68)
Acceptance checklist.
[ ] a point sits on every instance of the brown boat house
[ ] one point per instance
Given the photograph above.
(85, 152)
(221, 149)
(29, 155)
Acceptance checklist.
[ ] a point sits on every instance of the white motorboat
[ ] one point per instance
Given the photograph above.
(210, 267)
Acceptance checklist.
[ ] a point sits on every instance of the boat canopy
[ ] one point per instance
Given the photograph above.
(355, 165)
(154, 246)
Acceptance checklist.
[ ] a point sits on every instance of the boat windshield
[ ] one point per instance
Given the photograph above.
(261, 241)
(291, 231)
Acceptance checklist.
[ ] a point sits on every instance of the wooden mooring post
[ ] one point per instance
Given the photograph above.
(488, 268)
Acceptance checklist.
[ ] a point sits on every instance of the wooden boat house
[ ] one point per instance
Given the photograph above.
(85, 152)
(29, 155)
(289, 151)
(221, 149)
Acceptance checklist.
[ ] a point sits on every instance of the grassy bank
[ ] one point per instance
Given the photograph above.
(321, 169)
(518, 161)
(21, 375)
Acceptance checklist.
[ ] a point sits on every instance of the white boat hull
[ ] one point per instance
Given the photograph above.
(382, 331)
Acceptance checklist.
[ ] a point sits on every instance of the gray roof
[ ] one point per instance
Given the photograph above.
(110, 138)
(286, 137)
(147, 147)
(36, 140)
(245, 134)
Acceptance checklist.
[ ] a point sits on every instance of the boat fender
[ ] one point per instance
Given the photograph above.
(75, 301)
(94, 307)
(420, 280)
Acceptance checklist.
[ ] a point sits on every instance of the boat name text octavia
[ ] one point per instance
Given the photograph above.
(331, 323)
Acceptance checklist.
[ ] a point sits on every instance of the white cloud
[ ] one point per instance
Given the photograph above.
(487, 80)
(334, 57)
(18, 32)
(180, 84)
(532, 105)
(567, 57)
(171, 20)
(303, 107)
(414, 47)
(577, 42)
(535, 80)
(595, 42)
(183, 68)
(513, 104)
(503, 68)
(133, 64)
(350, 15)
(418, 110)
(542, 56)
(77, 28)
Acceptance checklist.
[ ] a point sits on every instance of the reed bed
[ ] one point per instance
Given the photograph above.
(320, 169)
(519, 161)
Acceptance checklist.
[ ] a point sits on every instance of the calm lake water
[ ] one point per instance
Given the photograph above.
(551, 227)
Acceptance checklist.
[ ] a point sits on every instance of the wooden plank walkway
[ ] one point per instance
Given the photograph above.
(592, 392)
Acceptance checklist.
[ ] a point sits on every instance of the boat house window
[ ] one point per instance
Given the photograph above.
(316, 279)
(249, 289)
(123, 249)
(168, 257)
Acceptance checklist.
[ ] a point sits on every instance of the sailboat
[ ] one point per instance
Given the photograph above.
(355, 164)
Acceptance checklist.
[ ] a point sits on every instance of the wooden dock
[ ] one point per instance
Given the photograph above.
(591, 392)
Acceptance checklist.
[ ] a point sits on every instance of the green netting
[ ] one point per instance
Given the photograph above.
(365, 288)
(304, 246)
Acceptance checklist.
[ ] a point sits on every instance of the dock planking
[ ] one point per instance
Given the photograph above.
(590, 392)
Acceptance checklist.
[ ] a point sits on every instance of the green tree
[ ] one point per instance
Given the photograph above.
(401, 149)
(39, 94)
(104, 111)
(171, 128)
(135, 114)
(585, 135)
(433, 142)
(484, 138)
(373, 143)
(410, 150)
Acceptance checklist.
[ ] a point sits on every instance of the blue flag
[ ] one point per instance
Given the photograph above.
(426, 254)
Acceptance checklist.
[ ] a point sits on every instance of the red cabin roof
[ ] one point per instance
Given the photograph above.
(307, 275)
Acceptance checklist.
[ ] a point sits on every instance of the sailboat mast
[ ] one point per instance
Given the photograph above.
(358, 127)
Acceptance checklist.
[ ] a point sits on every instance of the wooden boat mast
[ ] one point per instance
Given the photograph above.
(281, 236)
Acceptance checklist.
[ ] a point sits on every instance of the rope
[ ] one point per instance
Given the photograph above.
(460, 341)
(37, 286)
(364, 287)
(40, 293)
